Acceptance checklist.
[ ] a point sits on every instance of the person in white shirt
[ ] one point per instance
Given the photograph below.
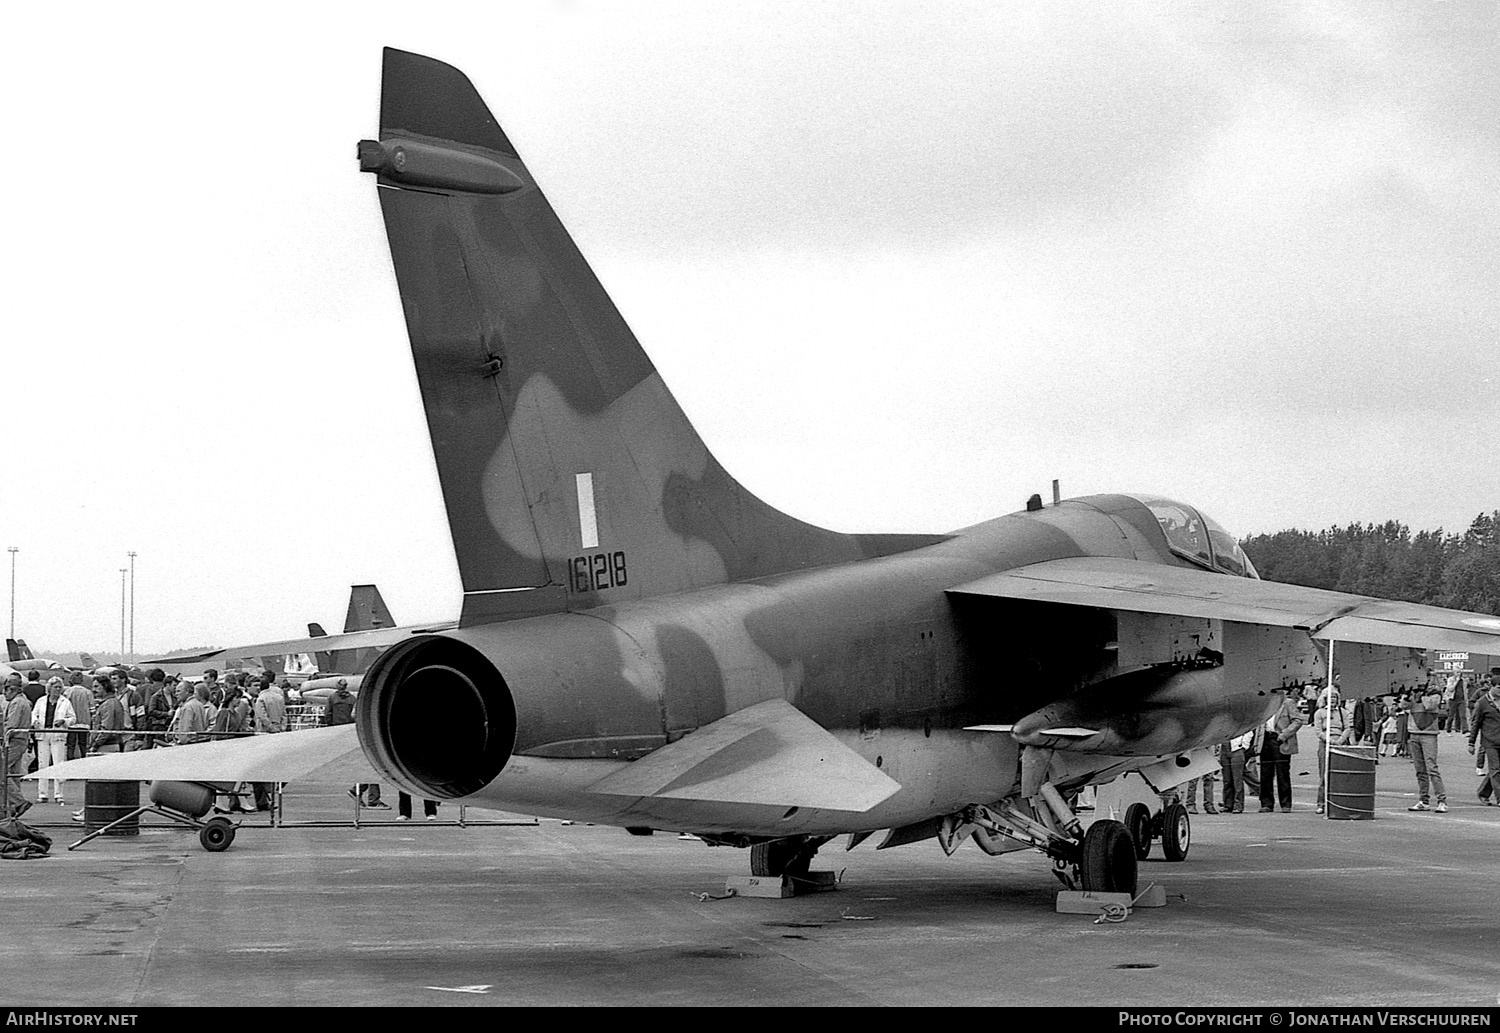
(1232, 754)
(51, 711)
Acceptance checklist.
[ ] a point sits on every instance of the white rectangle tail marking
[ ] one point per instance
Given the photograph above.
(588, 521)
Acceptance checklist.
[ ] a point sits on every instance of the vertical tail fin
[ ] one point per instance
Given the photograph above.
(13, 649)
(367, 611)
(570, 475)
(323, 660)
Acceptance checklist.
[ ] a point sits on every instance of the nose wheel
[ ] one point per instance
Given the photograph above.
(1176, 832)
(1138, 822)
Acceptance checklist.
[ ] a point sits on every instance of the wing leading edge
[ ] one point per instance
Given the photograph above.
(1121, 584)
(259, 758)
(373, 639)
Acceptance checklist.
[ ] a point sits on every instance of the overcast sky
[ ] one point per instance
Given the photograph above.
(902, 264)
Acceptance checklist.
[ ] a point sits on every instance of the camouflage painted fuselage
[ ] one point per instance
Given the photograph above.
(875, 651)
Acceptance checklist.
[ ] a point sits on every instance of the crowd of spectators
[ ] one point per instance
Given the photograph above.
(78, 715)
(1402, 724)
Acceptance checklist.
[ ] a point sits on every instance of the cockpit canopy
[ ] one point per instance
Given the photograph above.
(1198, 538)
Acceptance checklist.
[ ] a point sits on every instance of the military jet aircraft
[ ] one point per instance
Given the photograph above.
(21, 658)
(645, 643)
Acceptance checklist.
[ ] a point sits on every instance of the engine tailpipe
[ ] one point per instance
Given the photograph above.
(435, 716)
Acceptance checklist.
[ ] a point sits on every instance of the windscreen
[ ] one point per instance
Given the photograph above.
(1196, 537)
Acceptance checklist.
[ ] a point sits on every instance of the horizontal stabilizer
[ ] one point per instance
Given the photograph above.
(768, 754)
(988, 728)
(1112, 583)
(258, 758)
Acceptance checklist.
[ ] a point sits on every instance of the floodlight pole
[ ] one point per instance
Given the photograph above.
(131, 554)
(1328, 739)
(13, 551)
(123, 572)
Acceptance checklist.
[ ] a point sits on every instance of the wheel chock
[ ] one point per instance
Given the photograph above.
(1088, 902)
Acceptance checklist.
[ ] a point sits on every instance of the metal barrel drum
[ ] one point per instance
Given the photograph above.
(1351, 783)
(104, 802)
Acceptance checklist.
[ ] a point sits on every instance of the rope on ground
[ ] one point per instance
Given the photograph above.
(1115, 913)
(703, 898)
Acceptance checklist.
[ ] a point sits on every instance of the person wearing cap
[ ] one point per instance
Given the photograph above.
(15, 737)
(340, 709)
(1422, 728)
(51, 711)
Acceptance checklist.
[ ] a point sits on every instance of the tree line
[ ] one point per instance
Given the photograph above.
(1461, 571)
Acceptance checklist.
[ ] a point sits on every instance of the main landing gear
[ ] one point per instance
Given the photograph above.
(1172, 826)
(1103, 858)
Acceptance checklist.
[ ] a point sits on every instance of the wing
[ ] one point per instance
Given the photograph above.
(377, 638)
(258, 758)
(1121, 584)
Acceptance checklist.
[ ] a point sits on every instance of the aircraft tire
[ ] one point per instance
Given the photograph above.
(1138, 821)
(781, 857)
(1109, 861)
(1176, 832)
(216, 835)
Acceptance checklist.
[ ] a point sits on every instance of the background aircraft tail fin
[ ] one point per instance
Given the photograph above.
(570, 474)
(367, 610)
(323, 660)
(13, 649)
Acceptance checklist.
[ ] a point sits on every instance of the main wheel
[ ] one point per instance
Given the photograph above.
(1176, 832)
(1138, 821)
(1109, 863)
(792, 856)
(216, 835)
(776, 858)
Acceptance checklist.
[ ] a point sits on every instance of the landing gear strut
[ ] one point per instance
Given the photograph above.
(1102, 859)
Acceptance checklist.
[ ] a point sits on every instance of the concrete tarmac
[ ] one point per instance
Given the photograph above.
(1268, 909)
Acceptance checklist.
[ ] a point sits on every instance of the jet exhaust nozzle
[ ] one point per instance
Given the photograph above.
(436, 716)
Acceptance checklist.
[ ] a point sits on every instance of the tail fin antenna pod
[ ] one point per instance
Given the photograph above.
(570, 474)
